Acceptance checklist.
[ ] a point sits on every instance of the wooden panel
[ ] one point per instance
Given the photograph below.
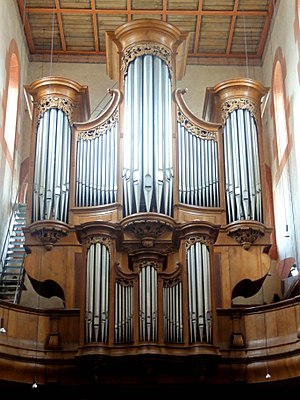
(82, 37)
(218, 5)
(213, 34)
(254, 5)
(113, 5)
(247, 34)
(146, 5)
(180, 5)
(75, 4)
(218, 28)
(45, 31)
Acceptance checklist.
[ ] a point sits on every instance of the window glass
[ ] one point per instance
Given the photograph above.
(12, 104)
(279, 108)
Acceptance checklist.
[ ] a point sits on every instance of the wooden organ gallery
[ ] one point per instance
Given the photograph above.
(146, 224)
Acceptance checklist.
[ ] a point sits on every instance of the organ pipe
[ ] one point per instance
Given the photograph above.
(199, 292)
(198, 177)
(56, 101)
(148, 170)
(242, 172)
(173, 322)
(52, 167)
(97, 293)
(237, 103)
(123, 311)
(96, 165)
(148, 302)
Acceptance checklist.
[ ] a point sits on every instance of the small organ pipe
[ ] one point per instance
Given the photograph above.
(199, 303)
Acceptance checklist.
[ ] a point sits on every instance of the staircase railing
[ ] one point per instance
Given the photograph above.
(12, 256)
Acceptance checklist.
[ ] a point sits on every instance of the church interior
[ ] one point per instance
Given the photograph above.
(149, 183)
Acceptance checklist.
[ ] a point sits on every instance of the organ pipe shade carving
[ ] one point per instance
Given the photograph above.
(199, 293)
(97, 293)
(198, 176)
(52, 167)
(148, 302)
(97, 164)
(242, 169)
(148, 171)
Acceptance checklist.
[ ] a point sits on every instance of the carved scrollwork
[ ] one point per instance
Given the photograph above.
(101, 129)
(246, 233)
(168, 283)
(148, 229)
(233, 104)
(99, 239)
(201, 239)
(49, 233)
(51, 101)
(146, 48)
(153, 264)
(124, 282)
(194, 129)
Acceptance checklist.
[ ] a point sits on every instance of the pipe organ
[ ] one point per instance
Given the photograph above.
(97, 283)
(56, 102)
(52, 166)
(238, 106)
(147, 167)
(96, 162)
(199, 292)
(242, 173)
(160, 213)
(198, 162)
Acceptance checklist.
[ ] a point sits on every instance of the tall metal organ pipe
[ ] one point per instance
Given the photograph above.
(51, 182)
(242, 171)
(96, 166)
(198, 163)
(97, 293)
(199, 293)
(148, 171)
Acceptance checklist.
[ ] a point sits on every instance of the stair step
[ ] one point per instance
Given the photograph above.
(12, 270)
(13, 261)
(12, 274)
(16, 255)
(10, 283)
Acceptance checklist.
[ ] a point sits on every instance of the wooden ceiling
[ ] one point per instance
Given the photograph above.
(221, 31)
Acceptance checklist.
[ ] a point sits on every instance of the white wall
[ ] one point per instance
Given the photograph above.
(285, 190)
(197, 78)
(10, 28)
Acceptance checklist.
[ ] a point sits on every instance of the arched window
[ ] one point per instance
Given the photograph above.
(12, 104)
(281, 131)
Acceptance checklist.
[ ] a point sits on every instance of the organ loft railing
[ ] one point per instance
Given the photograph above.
(166, 209)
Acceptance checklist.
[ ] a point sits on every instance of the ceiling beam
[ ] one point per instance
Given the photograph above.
(232, 26)
(198, 26)
(95, 26)
(46, 10)
(60, 27)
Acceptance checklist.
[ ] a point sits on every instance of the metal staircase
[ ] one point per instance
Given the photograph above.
(12, 274)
